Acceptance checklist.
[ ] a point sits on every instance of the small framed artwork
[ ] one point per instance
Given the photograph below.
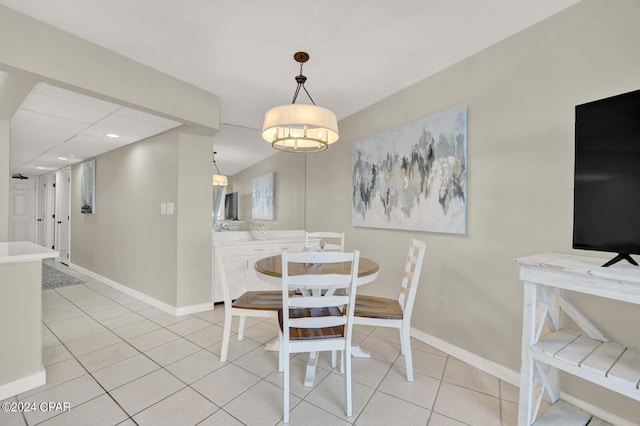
(88, 187)
(263, 197)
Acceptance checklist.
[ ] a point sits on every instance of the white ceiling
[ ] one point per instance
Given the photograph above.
(55, 128)
(361, 50)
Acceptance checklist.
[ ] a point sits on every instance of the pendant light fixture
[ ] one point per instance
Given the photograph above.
(219, 179)
(300, 128)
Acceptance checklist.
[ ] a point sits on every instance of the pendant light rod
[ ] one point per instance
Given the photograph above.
(214, 162)
(301, 57)
(219, 179)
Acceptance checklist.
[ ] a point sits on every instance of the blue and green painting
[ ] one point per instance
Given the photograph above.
(413, 177)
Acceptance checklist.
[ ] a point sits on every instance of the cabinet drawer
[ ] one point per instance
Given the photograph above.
(229, 252)
(264, 249)
(288, 247)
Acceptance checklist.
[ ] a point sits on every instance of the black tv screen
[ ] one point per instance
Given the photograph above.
(231, 206)
(606, 208)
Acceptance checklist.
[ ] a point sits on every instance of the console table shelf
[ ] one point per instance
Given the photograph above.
(588, 354)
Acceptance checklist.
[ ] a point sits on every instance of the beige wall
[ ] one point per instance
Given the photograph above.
(290, 190)
(4, 182)
(127, 240)
(194, 207)
(520, 95)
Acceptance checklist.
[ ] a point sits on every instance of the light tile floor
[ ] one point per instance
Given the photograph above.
(117, 360)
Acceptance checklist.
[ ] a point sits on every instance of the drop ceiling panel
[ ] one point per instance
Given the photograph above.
(98, 133)
(127, 128)
(24, 156)
(79, 149)
(61, 108)
(71, 97)
(28, 127)
(87, 146)
(54, 122)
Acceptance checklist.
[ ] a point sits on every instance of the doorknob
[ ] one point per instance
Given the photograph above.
(60, 222)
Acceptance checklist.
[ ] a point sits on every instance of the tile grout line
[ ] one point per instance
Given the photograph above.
(160, 367)
(130, 417)
(124, 340)
(435, 398)
(82, 365)
(77, 300)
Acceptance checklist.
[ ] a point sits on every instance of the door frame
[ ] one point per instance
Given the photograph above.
(63, 215)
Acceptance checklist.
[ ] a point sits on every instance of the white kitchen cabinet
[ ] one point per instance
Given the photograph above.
(240, 251)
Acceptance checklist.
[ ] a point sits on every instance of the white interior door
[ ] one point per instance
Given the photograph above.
(63, 214)
(22, 207)
(50, 210)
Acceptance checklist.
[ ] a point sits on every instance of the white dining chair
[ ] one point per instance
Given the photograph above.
(396, 313)
(316, 322)
(335, 243)
(262, 304)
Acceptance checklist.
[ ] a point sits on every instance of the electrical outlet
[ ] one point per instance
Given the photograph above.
(443, 304)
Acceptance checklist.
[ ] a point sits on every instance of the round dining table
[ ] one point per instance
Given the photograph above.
(269, 270)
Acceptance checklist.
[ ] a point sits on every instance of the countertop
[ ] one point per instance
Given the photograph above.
(24, 251)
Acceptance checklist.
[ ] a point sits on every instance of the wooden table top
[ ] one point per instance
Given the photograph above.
(272, 266)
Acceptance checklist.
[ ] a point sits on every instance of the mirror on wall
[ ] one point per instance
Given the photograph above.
(289, 192)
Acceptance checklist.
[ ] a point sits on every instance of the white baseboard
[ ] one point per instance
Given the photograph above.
(172, 310)
(7, 390)
(194, 309)
(511, 376)
(497, 370)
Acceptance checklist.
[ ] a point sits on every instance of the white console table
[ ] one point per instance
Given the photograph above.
(588, 354)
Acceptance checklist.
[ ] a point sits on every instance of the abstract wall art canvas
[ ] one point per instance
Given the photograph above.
(263, 197)
(88, 187)
(413, 177)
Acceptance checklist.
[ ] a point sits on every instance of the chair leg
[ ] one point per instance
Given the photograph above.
(406, 344)
(280, 354)
(334, 359)
(241, 327)
(286, 384)
(346, 358)
(226, 335)
(341, 362)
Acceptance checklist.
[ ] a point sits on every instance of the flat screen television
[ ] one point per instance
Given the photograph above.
(231, 206)
(606, 202)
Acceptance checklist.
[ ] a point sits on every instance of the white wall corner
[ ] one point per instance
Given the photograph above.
(15, 387)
